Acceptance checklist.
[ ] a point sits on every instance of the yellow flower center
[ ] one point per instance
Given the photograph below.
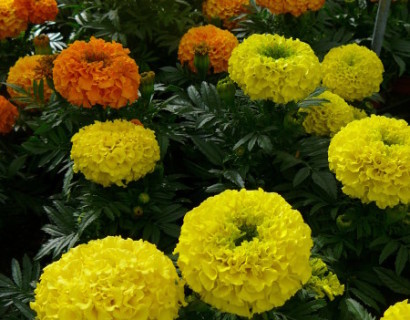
(276, 52)
(248, 232)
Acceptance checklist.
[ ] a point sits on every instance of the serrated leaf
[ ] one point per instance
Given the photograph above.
(301, 176)
(24, 309)
(209, 149)
(388, 249)
(326, 181)
(16, 273)
(365, 299)
(393, 281)
(401, 259)
(358, 311)
(234, 177)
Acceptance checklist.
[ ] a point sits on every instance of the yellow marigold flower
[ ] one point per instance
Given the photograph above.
(116, 152)
(353, 72)
(97, 72)
(398, 311)
(37, 11)
(8, 115)
(329, 117)
(111, 278)
(26, 70)
(323, 282)
(272, 67)
(10, 23)
(224, 10)
(295, 7)
(220, 43)
(245, 252)
(371, 158)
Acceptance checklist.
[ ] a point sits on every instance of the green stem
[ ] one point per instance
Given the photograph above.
(380, 25)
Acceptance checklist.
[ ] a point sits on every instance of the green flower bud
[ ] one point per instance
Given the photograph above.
(344, 222)
(42, 45)
(138, 212)
(147, 84)
(144, 198)
(201, 59)
(226, 89)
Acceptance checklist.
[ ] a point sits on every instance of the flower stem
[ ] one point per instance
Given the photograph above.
(380, 25)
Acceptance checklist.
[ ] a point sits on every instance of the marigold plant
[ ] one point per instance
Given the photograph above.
(323, 282)
(25, 71)
(295, 7)
(398, 311)
(37, 11)
(245, 252)
(112, 278)
(353, 72)
(114, 152)
(8, 115)
(371, 158)
(97, 72)
(11, 25)
(219, 43)
(224, 10)
(328, 118)
(275, 68)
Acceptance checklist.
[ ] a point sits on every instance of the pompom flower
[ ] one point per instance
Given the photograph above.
(97, 72)
(219, 43)
(110, 278)
(115, 152)
(245, 252)
(371, 158)
(398, 311)
(329, 117)
(323, 282)
(353, 72)
(26, 70)
(295, 7)
(272, 67)
(10, 23)
(37, 11)
(8, 115)
(224, 10)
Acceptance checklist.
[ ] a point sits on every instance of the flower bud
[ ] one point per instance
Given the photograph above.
(143, 198)
(42, 45)
(138, 212)
(201, 59)
(344, 222)
(226, 89)
(147, 84)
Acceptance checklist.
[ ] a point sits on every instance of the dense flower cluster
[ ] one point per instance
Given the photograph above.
(97, 72)
(245, 252)
(353, 72)
(398, 311)
(110, 278)
(24, 73)
(329, 117)
(8, 115)
(10, 23)
(37, 11)
(115, 152)
(275, 68)
(220, 44)
(224, 10)
(371, 157)
(295, 7)
(323, 282)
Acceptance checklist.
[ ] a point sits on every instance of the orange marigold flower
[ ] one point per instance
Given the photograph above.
(37, 11)
(23, 73)
(8, 115)
(10, 23)
(97, 72)
(295, 7)
(220, 43)
(224, 10)
(136, 122)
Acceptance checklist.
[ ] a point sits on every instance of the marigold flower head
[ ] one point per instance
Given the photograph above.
(8, 115)
(97, 72)
(112, 278)
(220, 43)
(114, 152)
(398, 311)
(244, 252)
(295, 7)
(25, 71)
(329, 117)
(224, 10)
(37, 11)
(371, 158)
(353, 72)
(272, 67)
(11, 25)
(323, 282)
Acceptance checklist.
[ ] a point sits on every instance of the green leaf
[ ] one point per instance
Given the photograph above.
(24, 309)
(388, 249)
(392, 281)
(326, 181)
(358, 311)
(401, 259)
(16, 273)
(301, 176)
(209, 149)
(234, 177)
(365, 298)
(265, 143)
